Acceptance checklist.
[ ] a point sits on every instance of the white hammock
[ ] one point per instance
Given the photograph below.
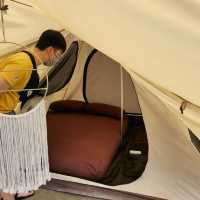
(24, 162)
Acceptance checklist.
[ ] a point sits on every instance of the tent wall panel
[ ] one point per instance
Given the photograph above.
(72, 90)
(102, 83)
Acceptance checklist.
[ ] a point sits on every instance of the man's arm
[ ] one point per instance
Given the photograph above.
(9, 77)
(3, 85)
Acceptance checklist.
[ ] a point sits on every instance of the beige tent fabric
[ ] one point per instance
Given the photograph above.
(103, 84)
(73, 90)
(159, 39)
(23, 25)
(75, 86)
(190, 116)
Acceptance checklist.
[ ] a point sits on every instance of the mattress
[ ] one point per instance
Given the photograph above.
(81, 144)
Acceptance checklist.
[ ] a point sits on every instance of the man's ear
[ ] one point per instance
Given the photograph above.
(50, 50)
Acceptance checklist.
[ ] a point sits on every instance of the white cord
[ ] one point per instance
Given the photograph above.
(122, 99)
(24, 162)
(2, 20)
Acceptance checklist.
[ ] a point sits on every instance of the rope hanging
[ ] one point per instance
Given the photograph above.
(3, 8)
(24, 162)
(122, 99)
(21, 3)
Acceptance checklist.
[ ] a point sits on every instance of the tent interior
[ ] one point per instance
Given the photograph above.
(108, 126)
(97, 132)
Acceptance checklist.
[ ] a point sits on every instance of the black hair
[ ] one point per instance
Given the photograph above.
(51, 38)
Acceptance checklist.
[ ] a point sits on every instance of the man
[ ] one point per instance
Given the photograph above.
(16, 74)
(16, 70)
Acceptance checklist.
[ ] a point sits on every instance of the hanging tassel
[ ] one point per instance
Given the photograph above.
(24, 164)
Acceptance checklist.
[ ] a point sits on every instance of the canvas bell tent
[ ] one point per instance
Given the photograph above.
(125, 61)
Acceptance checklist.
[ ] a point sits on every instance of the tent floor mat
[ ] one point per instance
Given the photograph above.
(90, 192)
(43, 194)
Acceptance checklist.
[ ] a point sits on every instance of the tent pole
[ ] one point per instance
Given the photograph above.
(24, 4)
(3, 8)
(122, 99)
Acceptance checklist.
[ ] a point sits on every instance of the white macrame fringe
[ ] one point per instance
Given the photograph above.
(24, 164)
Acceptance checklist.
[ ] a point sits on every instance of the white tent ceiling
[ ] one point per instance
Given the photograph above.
(157, 39)
(24, 24)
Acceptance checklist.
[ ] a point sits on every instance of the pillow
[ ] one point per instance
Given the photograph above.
(67, 106)
(89, 108)
(103, 109)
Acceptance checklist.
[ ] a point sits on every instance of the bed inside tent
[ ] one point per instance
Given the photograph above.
(90, 94)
